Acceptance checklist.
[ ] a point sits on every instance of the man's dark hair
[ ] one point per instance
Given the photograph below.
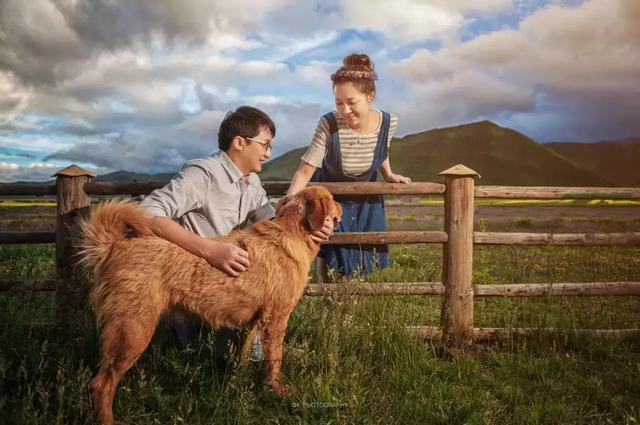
(246, 121)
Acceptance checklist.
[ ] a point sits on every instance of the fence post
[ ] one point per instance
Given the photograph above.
(71, 291)
(456, 316)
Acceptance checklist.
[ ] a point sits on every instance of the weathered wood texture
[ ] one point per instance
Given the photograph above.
(350, 238)
(492, 334)
(421, 188)
(568, 239)
(407, 237)
(456, 317)
(522, 192)
(558, 289)
(71, 290)
(418, 288)
(590, 289)
(27, 189)
(7, 238)
(279, 188)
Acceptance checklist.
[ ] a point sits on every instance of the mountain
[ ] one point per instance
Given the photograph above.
(117, 176)
(127, 176)
(617, 161)
(282, 167)
(502, 156)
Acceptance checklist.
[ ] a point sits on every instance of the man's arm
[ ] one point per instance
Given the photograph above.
(182, 194)
(227, 257)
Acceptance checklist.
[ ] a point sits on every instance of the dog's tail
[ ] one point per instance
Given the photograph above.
(110, 222)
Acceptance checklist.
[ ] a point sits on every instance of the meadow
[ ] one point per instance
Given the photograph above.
(349, 358)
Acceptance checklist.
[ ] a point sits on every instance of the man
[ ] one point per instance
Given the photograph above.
(214, 195)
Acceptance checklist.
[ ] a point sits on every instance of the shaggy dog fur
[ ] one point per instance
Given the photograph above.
(139, 277)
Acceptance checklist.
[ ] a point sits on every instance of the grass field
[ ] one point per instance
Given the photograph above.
(349, 359)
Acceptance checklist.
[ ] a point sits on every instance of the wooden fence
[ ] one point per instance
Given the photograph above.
(74, 189)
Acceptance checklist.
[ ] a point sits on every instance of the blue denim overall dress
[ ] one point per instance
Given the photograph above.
(360, 213)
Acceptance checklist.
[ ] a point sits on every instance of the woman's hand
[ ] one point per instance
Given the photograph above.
(391, 177)
(397, 178)
(282, 202)
(325, 232)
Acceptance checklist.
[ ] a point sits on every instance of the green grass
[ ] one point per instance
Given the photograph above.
(349, 359)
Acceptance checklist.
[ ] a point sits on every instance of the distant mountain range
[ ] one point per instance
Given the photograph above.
(118, 176)
(617, 161)
(127, 176)
(502, 156)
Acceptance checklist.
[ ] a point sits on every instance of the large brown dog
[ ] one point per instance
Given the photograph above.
(139, 276)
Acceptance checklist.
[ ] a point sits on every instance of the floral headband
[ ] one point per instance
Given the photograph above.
(352, 73)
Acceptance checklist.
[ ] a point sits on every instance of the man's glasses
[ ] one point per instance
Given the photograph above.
(265, 145)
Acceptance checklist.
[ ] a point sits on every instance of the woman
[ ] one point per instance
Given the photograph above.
(351, 144)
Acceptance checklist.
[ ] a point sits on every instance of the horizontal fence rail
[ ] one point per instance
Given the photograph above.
(11, 238)
(492, 334)
(480, 290)
(280, 188)
(514, 290)
(380, 188)
(394, 288)
(412, 237)
(565, 239)
(27, 189)
(345, 238)
(557, 289)
(399, 237)
(523, 192)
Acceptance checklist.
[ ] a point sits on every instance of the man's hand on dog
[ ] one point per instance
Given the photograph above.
(324, 233)
(229, 258)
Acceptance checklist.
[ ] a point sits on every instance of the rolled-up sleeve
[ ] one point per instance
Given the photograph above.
(393, 125)
(182, 194)
(264, 210)
(318, 147)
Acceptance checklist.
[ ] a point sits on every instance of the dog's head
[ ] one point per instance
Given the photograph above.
(311, 206)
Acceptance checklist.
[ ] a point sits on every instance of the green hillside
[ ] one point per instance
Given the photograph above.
(617, 161)
(500, 155)
(282, 167)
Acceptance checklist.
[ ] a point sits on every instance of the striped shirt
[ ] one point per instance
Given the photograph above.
(357, 150)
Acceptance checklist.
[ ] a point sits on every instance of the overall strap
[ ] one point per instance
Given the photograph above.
(331, 120)
(382, 150)
(331, 164)
(332, 140)
(386, 122)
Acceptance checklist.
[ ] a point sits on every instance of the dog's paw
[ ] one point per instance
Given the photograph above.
(281, 389)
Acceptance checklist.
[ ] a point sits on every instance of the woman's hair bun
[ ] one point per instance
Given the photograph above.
(358, 60)
(357, 69)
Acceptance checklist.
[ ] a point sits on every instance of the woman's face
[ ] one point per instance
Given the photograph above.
(351, 103)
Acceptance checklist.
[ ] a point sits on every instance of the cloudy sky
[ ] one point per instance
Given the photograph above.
(143, 84)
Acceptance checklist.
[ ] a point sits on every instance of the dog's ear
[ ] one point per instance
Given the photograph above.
(282, 203)
(291, 206)
(316, 213)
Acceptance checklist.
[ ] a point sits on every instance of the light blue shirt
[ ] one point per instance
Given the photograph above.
(211, 197)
